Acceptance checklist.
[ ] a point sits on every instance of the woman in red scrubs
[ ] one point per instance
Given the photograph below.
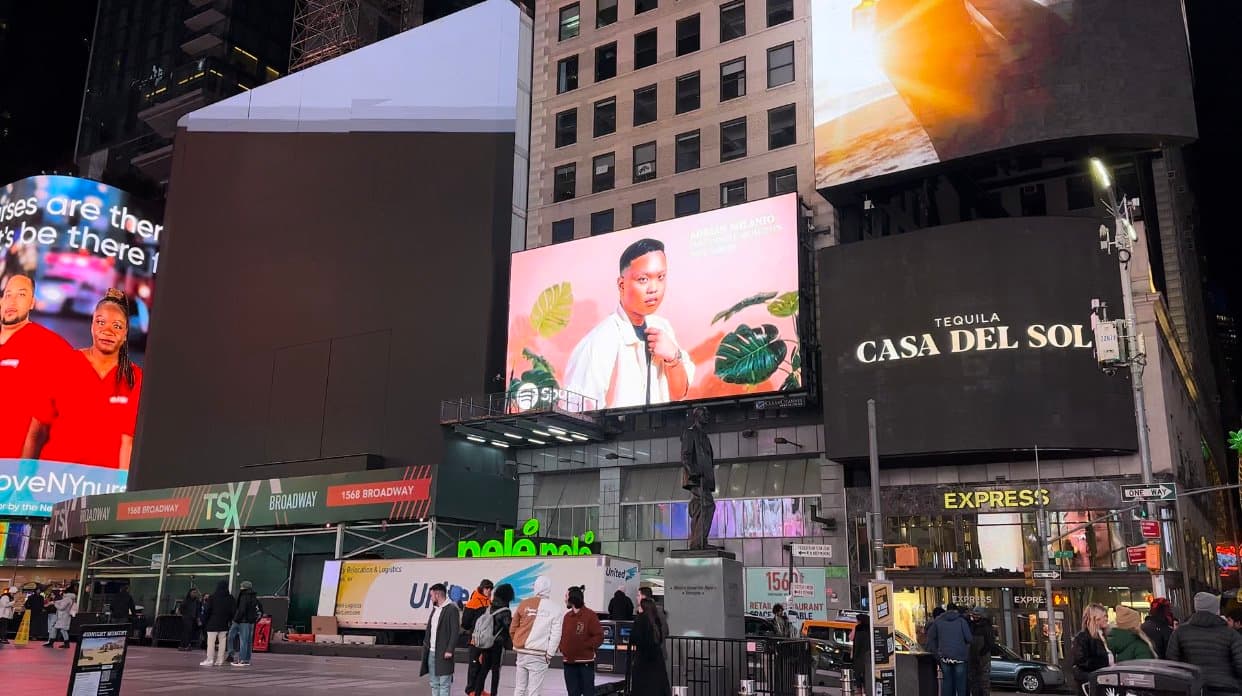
(95, 401)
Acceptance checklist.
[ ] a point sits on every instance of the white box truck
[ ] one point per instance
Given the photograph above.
(395, 594)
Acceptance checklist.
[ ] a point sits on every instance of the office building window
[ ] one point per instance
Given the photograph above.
(562, 230)
(781, 65)
(641, 6)
(732, 20)
(686, 203)
(564, 182)
(779, 11)
(1078, 192)
(567, 74)
(605, 117)
(643, 213)
(645, 49)
(567, 128)
(687, 151)
(782, 126)
(733, 79)
(733, 139)
(1031, 197)
(605, 13)
(687, 35)
(644, 105)
(732, 192)
(603, 172)
(570, 20)
(606, 62)
(601, 222)
(687, 93)
(783, 181)
(644, 162)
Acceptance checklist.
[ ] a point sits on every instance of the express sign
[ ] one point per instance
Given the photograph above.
(1012, 498)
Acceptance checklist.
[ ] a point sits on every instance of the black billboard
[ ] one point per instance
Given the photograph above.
(974, 337)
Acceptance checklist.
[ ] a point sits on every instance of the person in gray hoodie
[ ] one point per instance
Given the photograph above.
(1207, 642)
(949, 640)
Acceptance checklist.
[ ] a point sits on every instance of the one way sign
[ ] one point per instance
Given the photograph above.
(1148, 492)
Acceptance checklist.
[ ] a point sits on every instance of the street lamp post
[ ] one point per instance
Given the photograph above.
(1135, 356)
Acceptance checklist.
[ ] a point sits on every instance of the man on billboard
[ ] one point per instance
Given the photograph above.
(632, 358)
(29, 356)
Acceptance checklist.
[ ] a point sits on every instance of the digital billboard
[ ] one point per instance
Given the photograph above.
(698, 307)
(77, 276)
(974, 337)
(899, 84)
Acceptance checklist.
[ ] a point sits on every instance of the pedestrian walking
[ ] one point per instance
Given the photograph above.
(581, 636)
(33, 605)
(1089, 651)
(621, 607)
(66, 606)
(122, 608)
(6, 613)
(480, 601)
(490, 658)
(1159, 625)
(536, 631)
(646, 593)
(1126, 641)
(784, 629)
(949, 640)
(438, 642)
(49, 608)
(860, 659)
(190, 607)
(648, 675)
(1206, 642)
(245, 616)
(220, 610)
(982, 640)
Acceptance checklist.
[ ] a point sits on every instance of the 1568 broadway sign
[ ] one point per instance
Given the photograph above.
(1012, 498)
(971, 333)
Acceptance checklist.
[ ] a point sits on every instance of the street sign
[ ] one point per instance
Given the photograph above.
(1047, 575)
(1148, 492)
(1151, 529)
(800, 589)
(812, 550)
(1136, 555)
(1067, 553)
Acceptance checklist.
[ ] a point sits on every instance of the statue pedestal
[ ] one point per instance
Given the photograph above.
(703, 594)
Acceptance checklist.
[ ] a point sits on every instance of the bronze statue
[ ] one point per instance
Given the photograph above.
(698, 475)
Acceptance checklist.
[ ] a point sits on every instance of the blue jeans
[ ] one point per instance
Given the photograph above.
(953, 679)
(440, 685)
(580, 679)
(245, 635)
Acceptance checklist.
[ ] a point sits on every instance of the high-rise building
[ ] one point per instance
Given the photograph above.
(645, 111)
(154, 62)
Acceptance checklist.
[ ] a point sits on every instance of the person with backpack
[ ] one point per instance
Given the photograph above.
(536, 631)
(491, 637)
(244, 618)
(479, 603)
(581, 636)
(949, 640)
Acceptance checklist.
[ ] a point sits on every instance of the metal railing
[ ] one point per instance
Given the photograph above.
(502, 404)
(728, 666)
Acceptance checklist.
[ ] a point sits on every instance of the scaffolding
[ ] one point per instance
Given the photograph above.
(325, 29)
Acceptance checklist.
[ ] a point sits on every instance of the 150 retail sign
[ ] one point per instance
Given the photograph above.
(1013, 498)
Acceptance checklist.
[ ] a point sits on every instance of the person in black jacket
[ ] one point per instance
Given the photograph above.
(1089, 651)
(490, 659)
(983, 639)
(1206, 642)
(860, 659)
(220, 611)
(244, 618)
(1159, 625)
(621, 607)
(648, 675)
(121, 609)
(189, 619)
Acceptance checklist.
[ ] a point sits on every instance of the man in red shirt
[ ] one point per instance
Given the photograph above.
(30, 355)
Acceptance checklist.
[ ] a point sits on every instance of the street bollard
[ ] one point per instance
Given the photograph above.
(748, 688)
(681, 691)
(847, 681)
(802, 685)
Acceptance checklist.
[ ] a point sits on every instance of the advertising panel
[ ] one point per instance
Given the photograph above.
(77, 276)
(381, 494)
(768, 586)
(99, 661)
(396, 593)
(900, 84)
(699, 307)
(973, 337)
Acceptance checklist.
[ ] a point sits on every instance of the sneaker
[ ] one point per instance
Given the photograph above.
(206, 663)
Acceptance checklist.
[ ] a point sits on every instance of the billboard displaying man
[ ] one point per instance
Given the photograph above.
(77, 267)
(698, 307)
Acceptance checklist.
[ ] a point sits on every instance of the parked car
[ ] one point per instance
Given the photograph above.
(1029, 676)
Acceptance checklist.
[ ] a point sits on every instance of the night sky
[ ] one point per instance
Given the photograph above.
(44, 48)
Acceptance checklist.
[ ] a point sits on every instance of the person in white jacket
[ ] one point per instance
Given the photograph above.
(6, 613)
(536, 632)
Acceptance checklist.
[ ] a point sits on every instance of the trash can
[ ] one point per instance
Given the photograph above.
(1147, 678)
(917, 674)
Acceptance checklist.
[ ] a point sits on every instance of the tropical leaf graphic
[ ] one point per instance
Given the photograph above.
(784, 306)
(749, 355)
(748, 302)
(552, 309)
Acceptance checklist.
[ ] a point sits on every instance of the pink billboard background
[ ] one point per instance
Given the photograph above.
(716, 260)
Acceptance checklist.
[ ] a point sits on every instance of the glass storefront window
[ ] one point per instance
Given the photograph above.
(735, 518)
